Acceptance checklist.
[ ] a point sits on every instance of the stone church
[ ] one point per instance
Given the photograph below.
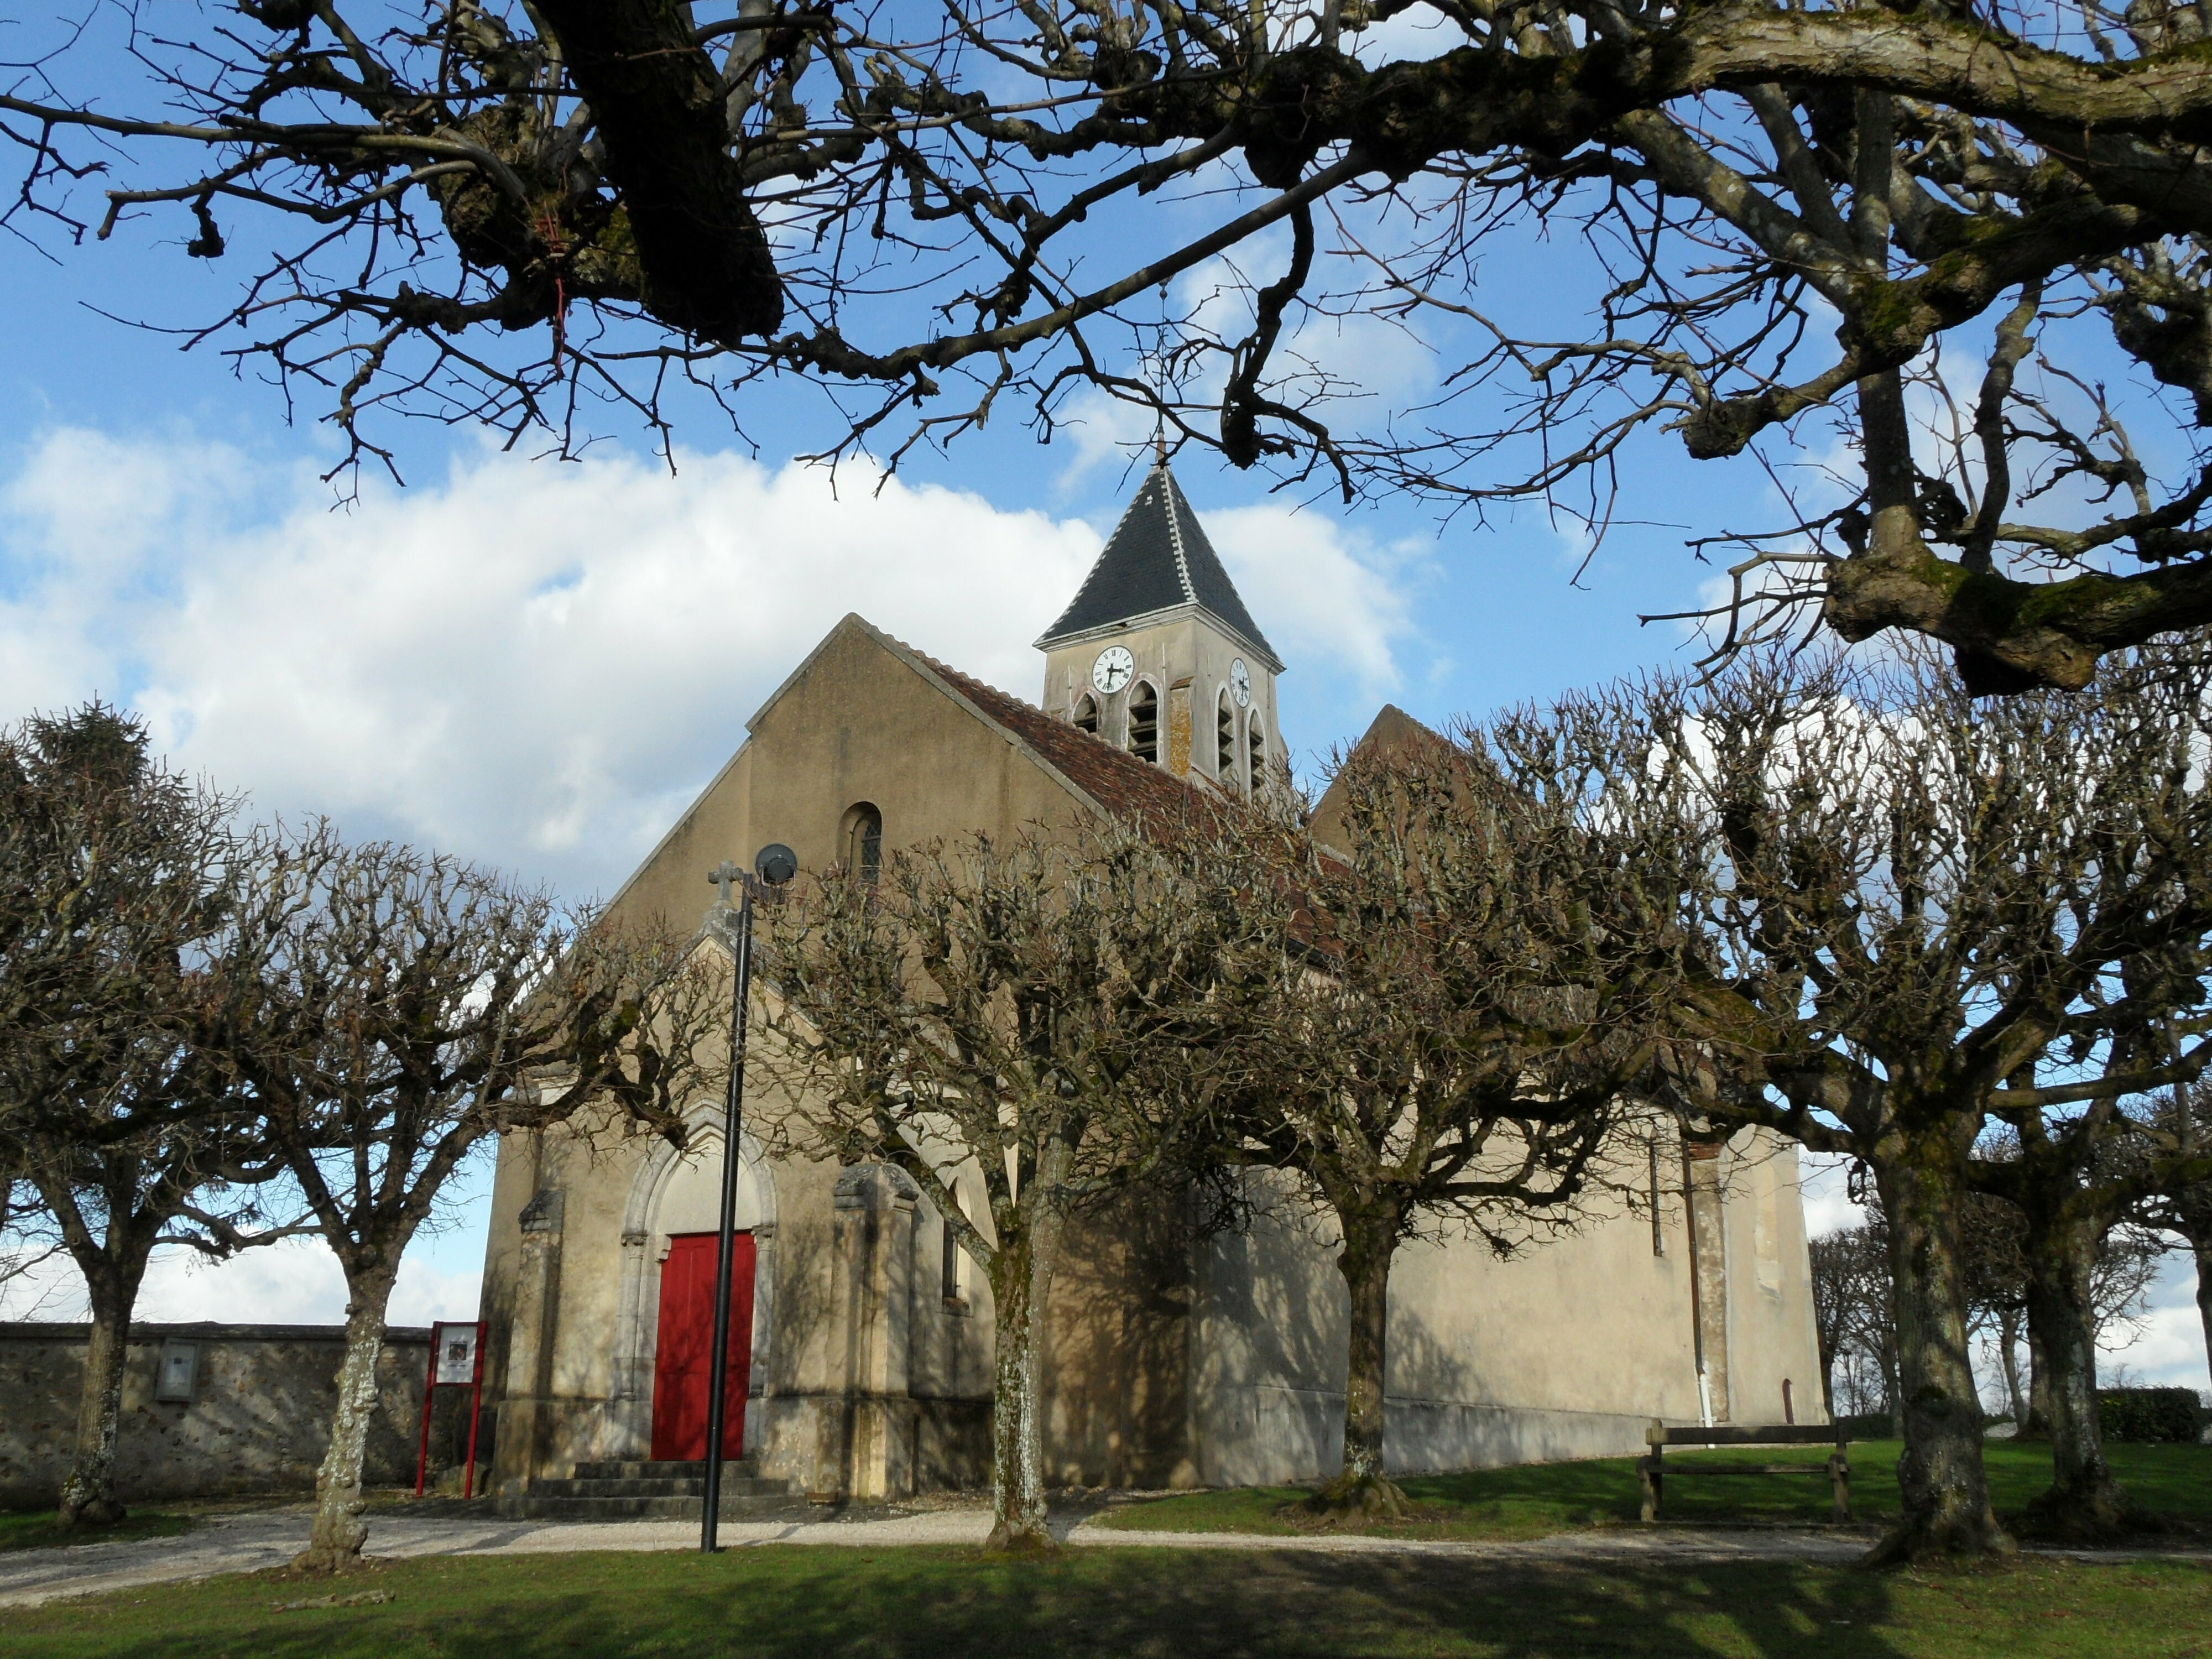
(1172, 1361)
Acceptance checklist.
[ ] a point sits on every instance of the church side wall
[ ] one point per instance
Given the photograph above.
(1565, 1350)
(1116, 1394)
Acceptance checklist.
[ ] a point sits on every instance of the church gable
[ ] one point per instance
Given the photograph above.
(868, 732)
(1392, 732)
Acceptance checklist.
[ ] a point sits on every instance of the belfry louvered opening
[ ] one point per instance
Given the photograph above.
(1224, 742)
(1144, 722)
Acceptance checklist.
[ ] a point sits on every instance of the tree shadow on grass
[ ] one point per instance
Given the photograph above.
(813, 1604)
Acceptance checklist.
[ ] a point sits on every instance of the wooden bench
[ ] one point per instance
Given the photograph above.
(1659, 1437)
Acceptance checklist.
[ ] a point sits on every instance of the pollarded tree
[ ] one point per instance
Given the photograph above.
(117, 879)
(2069, 1178)
(390, 1012)
(1918, 901)
(988, 1015)
(1753, 214)
(1442, 990)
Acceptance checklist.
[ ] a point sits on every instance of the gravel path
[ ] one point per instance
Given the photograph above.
(252, 1540)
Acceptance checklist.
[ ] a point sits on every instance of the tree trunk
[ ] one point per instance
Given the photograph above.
(2008, 1349)
(2085, 1501)
(87, 1495)
(1940, 1477)
(1021, 1282)
(113, 1266)
(2038, 1427)
(1364, 1489)
(2202, 1245)
(335, 1542)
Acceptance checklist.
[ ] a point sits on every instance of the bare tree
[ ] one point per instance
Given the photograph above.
(116, 879)
(2071, 1177)
(1918, 900)
(402, 1009)
(1852, 1315)
(1768, 214)
(2183, 1123)
(982, 1017)
(1443, 989)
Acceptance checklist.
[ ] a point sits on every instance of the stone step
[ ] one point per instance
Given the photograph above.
(643, 1470)
(532, 1506)
(733, 1485)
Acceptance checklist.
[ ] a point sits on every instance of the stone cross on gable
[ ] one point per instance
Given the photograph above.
(725, 875)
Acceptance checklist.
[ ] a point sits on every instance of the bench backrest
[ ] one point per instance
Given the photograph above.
(1731, 1434)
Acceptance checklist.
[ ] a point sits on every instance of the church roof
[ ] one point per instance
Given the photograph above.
(1157, 559)
(1118, 782)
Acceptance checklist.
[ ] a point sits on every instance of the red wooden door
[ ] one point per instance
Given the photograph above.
(681, 1376)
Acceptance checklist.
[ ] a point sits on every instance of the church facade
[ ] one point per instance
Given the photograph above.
(1171, 1360)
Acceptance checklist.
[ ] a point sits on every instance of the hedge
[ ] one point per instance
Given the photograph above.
(2148, 1413)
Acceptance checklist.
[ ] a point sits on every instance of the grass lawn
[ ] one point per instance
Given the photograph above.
(815, 1603)
(1537, 1499)
(34, 1529)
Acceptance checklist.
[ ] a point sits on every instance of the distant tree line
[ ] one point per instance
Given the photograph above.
(1852, 1295)
(215, 1036)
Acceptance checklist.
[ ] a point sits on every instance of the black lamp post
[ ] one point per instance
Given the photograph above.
(775, 864)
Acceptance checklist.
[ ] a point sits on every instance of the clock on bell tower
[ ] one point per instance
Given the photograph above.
(1158, 654)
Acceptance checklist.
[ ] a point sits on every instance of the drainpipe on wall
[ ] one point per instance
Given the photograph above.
(1697, 1297)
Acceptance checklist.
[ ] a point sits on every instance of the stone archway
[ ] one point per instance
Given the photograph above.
(680, 1192)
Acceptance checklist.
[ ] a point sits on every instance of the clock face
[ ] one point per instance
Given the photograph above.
(1114, 669)
(1240, 682)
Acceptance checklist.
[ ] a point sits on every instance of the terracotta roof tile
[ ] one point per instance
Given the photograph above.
(1125, 786)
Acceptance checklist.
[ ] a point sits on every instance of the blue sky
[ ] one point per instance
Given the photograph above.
(536, 663)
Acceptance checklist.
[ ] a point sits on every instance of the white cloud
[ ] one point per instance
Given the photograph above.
(1324, 598)
(2165, 1346)
(297, 1282)
(532, 664)
(1825, 1183)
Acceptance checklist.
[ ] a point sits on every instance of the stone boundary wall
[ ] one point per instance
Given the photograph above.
(258, 1419)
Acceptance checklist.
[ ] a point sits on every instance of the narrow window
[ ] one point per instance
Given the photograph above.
(1086, 716)
(955, 1259)
(1256, 741)
(1224, 743)
(1144, 722)
(862, 842)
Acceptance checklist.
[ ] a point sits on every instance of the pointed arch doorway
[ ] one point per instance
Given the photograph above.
(682, 1368)
(664, 1339)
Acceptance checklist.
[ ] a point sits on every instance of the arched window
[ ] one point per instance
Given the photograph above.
(1086, 715)
(1255, 743)
(1224, 743)
(861, 840)
(1144, 721)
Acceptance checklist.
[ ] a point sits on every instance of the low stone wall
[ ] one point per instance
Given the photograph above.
(258, 1419)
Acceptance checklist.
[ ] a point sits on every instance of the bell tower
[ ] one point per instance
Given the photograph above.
(1158, 654)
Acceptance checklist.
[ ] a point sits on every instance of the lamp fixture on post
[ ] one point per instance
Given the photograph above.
(775, 864)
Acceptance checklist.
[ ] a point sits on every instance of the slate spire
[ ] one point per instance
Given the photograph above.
(1156, 560)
